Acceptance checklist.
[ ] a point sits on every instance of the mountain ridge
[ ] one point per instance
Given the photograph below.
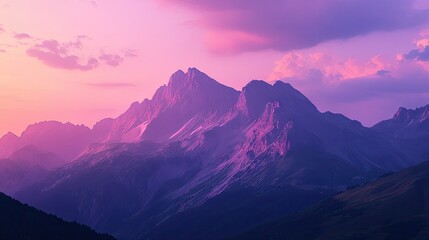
(406, 123)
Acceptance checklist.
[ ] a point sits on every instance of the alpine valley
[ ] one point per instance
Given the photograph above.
(201, 160)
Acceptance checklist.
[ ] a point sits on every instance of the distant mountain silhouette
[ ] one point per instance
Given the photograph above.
(42, 147)
(24, 167)
(65, 140)
(21, 222)
(407, 123)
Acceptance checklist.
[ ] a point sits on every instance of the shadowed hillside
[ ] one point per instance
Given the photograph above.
(393, 207)
(21, 222)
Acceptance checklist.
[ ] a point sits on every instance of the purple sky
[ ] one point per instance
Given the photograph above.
(82, 60)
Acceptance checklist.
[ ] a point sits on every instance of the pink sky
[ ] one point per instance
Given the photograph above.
(82, 60)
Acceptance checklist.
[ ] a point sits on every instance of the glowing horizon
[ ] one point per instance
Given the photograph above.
(81, 61)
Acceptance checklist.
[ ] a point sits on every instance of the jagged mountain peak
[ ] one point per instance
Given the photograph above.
(193, 84)
(281, 84)
(9, 136)
(193, 78)
(254, 98)
(189, 100)
(406, 123)
(288, 90)
(256, 83)
(7, 143)
(194, 72)
(401, 111)
(257, 94)
(66, 140)
(418, 114)
(45, 127)
(179, 74)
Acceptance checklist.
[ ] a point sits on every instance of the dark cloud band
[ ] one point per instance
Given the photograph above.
(249, 25)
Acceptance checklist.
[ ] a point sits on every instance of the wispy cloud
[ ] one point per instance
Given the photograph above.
(130, 53)
(67, 55)
(7, 45)
(111, 59)
(22, 36)
(55, 54)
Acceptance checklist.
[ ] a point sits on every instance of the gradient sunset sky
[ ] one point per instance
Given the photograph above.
(82, 60)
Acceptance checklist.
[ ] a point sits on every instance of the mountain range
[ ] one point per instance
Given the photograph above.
(41, 148)
(203, 153)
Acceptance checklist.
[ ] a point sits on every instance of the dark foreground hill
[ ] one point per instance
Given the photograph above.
(393, 207)
(21, 222)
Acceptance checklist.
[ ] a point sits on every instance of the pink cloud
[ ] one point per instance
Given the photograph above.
(130, 53)
(420, 53)
(65, 55)
(330, 68)
(356, 87)
(296, 24)
(22, 36)
(111, 59)
(2, 51)
(56, 55)
(53, 46)
(69, 62)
